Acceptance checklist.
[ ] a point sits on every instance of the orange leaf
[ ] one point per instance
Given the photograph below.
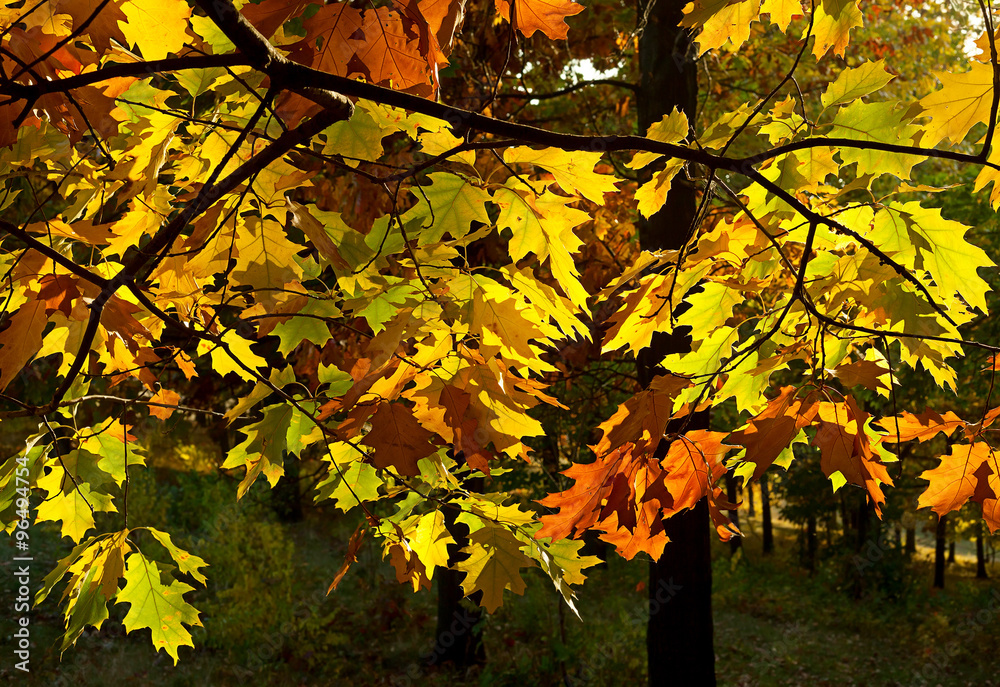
(693, 465)
(845, 448)
(770, 433)
(546, 16)
(923, 427)
(21, 340)
(955, 480)
(165, 397)
(389, 57)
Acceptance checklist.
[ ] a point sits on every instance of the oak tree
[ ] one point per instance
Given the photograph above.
(388, 264)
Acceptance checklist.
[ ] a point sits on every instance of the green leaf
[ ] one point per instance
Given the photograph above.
(186, 563)
(156, 606)
(852, 83)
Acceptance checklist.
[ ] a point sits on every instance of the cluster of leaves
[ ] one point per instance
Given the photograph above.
(270, 193)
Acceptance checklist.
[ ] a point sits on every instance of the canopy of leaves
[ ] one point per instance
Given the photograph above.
(342, 223)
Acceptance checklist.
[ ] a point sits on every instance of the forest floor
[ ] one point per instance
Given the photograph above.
(854, 622)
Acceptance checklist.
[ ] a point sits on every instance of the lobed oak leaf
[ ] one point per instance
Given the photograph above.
(954, 481)
(693, 464)
(102, 26)
(846, 449)
(923, 427)
(547, 16)
(866, 373)
(963, 101)
(397, 439)
(647, 535)
(408, 567)
(832, 25)
(157, 27)
(22, 338)
(774, 428)
(59, 291)
(494, 564)
(159, 607)
(580, 505)
(389, 57)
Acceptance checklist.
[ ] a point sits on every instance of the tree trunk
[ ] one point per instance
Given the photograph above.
(862, 523)
(679, 635)
(951, 552)
(286, 496)
(811, 544)
(679, 638)
(751, 511)
(765, 516)
(732, 493)
(455, 637)
(911, 540)
(980, 554)
(942, 529)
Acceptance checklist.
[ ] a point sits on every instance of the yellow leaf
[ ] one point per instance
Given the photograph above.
(157, 27)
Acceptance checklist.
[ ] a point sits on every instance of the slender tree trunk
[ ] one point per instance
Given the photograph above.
(765, 516)
(941, 534)
(911, 540)
(862, 524)
(732, 493)
(455, 637)
(751, 511)
(286, 497)
(811, 544)
(980, 554)
(679, 636)
(951, 552)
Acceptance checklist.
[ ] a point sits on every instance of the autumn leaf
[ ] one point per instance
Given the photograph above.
(156, 606)
(547, 16)
(397, 439)
(494, 564)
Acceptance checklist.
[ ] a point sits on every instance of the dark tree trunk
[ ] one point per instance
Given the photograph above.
(911, 540)
(751, 511)
(951, 552)
(811, 544)
(286, 497)
(679, 637)
(732, 493)
(980, 554)
(941, 534)
(455, 638)
(861, 523)
(767, 531)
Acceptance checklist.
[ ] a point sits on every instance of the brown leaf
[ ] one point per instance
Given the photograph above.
(398, 439)
(351, 557)
(864, 373)
(59, 292)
